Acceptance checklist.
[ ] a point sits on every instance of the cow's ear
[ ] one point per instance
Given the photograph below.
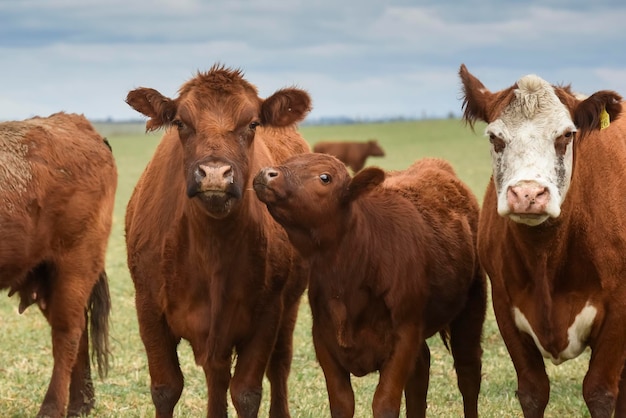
(364, 181)
(476, 98)
(285, 107)
(597, 111)
(160, 109)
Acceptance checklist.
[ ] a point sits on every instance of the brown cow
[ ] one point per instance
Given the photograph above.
(552, 233)
(390, 267)
(57, 186)
(208, 262)
(352, 153)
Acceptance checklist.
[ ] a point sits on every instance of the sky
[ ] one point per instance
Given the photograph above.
(361, 59)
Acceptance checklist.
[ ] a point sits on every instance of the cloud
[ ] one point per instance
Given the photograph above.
(362, 59)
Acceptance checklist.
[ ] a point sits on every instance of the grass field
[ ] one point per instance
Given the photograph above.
(25, 348)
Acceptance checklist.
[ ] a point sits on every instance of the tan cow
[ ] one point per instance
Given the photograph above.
(208, 262)
(57, 190)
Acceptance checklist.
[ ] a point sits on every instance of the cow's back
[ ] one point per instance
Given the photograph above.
(283, 143)
(451, 210)
(50, 196)
(434, 188)
(337, 149)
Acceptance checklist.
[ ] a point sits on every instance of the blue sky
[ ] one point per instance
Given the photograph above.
(357, 58)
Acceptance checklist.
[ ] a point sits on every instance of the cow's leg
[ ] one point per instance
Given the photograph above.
(602, 381)
(620, 407)
(82, 395)
(65, 311)
(465, 343)
(394, 374)
(246, 386)
(533, 385)
(280, 364)
(166, 378)
(338, 385)
(217, 372)
(416, 391)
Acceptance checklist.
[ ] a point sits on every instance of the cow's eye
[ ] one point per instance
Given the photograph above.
(325, 178)
(497, 142)
(561, 142)
(254, 124)
(178, 123)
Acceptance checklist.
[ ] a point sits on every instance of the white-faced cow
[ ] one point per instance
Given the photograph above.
(57, 188)
(208, 262)
(553, 233)
(391, 265)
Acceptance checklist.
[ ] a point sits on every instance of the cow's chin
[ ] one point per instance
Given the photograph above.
(529, 219)
(218, 205)
(264, 194)
(268, 194)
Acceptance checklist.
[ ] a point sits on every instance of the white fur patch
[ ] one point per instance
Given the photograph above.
(577, 333)
(529, 126)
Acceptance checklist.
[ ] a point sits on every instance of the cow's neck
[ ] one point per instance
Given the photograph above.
(542, 247)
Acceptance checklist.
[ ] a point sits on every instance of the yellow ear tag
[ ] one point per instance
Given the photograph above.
(605, 119)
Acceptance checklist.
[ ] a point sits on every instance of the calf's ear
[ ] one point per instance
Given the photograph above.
(285, 107)
(363, 182)
(160, 109)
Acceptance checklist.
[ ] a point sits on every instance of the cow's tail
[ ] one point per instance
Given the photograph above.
(99, 309)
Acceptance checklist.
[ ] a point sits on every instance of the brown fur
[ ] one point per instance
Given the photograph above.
(57, 188)
(553, 269)
(209, 264)
(392, 263)
(352, 153)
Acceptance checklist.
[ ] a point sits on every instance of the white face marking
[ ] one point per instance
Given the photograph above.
(577, 333)
(528, 128)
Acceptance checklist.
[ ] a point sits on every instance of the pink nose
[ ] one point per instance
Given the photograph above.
(214, 176)
(528, 197)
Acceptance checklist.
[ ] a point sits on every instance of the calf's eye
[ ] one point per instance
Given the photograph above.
(325, 178)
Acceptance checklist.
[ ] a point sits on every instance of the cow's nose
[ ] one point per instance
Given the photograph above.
(270, 173)
(528, 197)
(214, 175)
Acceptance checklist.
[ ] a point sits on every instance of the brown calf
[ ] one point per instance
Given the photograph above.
(552, 234)
(353, 154)
(391, 265)
(208, 262)
(57, 189)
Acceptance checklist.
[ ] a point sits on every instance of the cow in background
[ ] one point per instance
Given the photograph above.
(393, 261)
(57, 189)
(552, 234)
(352, 153)
(208, 263)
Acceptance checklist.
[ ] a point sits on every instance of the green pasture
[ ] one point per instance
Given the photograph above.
(25, 347)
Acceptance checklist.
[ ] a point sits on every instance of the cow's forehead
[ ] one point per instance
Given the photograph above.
(535, 102)
(218, 110)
